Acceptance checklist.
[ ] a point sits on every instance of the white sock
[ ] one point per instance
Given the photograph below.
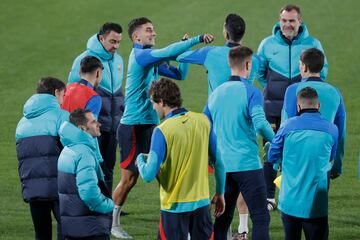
(243, 223)
(271, 200)
(116, 215)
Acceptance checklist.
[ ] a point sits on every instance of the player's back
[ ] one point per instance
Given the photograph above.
(217, 65)
(307, 150)
(329, 98)
(233, 126)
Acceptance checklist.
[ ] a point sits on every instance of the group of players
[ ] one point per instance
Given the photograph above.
(90, 117)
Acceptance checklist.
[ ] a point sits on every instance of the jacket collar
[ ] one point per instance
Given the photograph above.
(230, 44)
(312, 79)
(178, 111)
(308, 110)
(237, 78)
(86, 83)
(139, 46)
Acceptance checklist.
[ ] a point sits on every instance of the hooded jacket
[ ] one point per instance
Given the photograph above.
(38, 147)
(85, 203)
(279, 65)
(110, 85)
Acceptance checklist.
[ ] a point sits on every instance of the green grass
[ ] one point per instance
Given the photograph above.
(41, 38)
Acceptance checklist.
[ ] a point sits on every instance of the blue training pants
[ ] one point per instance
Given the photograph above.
(252, 186)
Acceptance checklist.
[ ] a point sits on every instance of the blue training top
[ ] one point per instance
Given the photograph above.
(145, 64)
(216, 61)
(305, 145)
(236, 109)
(332, 108)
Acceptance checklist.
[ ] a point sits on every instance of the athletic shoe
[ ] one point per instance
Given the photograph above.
(241, 236)
(123, 214)
(118, 232)
(271, 206)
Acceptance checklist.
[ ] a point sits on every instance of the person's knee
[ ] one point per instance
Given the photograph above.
(261, 217)
(241, 205)
(129, 180)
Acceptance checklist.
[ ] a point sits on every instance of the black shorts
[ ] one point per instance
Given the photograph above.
(133, 140)
(177, 226)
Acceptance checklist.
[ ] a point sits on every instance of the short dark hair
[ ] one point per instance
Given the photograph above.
(48, 85)
(78, 117)
(239, 55)
(108, 27)
(308, 96)
(90, 64)
(313, 58)
(135, 23)
(235, 27)
(290, 7)
(166, 90)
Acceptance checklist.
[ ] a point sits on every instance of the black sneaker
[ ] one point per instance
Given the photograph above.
(122, 213)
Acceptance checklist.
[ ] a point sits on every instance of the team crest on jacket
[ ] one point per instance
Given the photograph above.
(119, 67)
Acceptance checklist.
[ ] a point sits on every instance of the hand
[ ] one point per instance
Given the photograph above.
(208, 38)
(185, 37)
(265, 151)
(334, 175)
(219, 202)
(142, 157)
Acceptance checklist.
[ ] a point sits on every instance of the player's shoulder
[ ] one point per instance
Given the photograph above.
(289, 125)
(197, 115)
(291, 90)
(310, 41)
(201, 118)
(208, 50)
(250, 88)
(139, 52)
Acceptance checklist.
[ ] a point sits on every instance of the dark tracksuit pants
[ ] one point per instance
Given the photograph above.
(269, 172)
(252, 186)
(176, 226)
(314, 228)
(41, 217)
(108, 144)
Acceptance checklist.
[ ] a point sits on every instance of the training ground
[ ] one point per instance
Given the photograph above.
(42, 38)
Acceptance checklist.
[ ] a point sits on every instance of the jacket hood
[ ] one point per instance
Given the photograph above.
(94, 45)
(39, 104)
(71, 135)
(303, 32)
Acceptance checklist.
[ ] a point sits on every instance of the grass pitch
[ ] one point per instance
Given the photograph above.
(40, 38)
